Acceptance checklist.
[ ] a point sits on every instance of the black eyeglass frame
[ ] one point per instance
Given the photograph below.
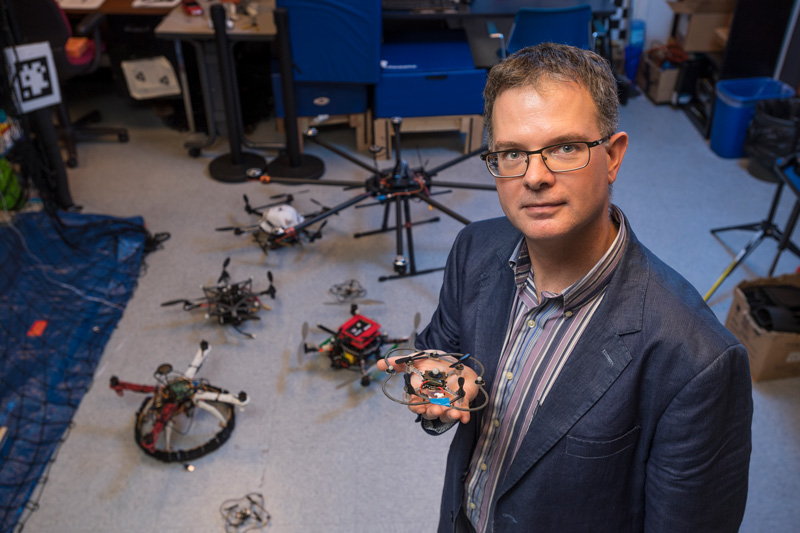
(529, 153)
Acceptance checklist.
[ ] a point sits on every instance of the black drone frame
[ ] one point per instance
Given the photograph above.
(395, 186)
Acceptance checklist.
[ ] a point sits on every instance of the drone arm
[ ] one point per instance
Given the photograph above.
(241, 399)
(441, 207)
(197, 362)
(332, 211)
(121, 386)
(336, 150)
(327, 330)
(455, 161)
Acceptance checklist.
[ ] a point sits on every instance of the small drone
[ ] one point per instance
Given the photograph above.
(162, 433)
(348, 291)
(438, 385)
(229, 303)
(355, 342)
(276, 227)
(244, 514)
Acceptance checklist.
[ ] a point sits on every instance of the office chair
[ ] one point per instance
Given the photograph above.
(43, 20)
(564, 25)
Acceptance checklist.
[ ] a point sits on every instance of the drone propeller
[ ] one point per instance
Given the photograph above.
(288, 195)
(412, 358)
(324, 207)
(460, 360)
(460, 392)
(247, 209)
(188, 305)
(317, 234)
(224, 276)
(413, 337)
(271, 290)
(237, 230)
(409, 388)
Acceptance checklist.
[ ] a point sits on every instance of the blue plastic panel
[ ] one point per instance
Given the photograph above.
(317, 98)
(335, 40)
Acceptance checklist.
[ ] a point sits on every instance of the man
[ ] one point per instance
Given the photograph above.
(617, 400)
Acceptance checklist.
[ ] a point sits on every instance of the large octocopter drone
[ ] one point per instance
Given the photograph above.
(395, 186)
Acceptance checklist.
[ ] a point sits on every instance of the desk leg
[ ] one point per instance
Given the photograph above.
(195, 146)
(187, 98)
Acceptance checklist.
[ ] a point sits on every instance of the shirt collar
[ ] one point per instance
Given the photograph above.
(589, 285)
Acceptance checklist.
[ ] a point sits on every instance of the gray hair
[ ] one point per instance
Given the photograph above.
(536, 66)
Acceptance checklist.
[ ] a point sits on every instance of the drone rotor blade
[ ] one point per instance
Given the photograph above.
(224, 275)
(408, 387)
(173, 302)
(460, 360)
(460, 392)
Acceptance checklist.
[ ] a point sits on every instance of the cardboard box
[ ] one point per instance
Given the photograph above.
(656, 83)
(697, 24)
(772, 354)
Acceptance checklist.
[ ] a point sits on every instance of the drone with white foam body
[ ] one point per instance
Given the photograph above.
(276, 229)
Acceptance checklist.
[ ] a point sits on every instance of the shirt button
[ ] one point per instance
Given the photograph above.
(567, 314)
(531, 323)
(496, 423)
(509, 376)
(483, 466)
(472, 506)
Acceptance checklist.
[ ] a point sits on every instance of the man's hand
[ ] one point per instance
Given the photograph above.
(433, 411)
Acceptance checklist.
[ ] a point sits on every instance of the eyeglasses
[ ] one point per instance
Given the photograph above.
(563, 157)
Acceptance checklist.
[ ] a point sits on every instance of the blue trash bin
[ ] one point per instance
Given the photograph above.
(734, 109)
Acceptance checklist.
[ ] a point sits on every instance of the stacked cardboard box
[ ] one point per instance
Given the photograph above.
(772, 354)
(697, 23)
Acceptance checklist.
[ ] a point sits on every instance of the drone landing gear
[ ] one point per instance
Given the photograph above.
(160, 436)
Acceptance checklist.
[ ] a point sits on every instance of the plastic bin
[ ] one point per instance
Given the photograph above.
(734, 108)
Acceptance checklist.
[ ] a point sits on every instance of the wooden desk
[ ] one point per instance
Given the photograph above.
(197, 31)
(120, 7)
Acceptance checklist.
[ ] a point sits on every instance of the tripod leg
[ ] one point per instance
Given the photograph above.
(782, 245)
(399, 261)
(740, 257)
(409, 237)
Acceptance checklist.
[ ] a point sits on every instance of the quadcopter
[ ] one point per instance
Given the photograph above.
(244, 514)
(439, 385)
(276, 229)
(168, 427)
(348, 291)
(352, 346)
(229, 303)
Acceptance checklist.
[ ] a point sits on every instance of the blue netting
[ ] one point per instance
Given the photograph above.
(63, 287)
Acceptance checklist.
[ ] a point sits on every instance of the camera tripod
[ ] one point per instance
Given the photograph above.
(390, 187)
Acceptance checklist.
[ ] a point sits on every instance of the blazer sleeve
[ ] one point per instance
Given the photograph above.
(443, 332)
(698, 469)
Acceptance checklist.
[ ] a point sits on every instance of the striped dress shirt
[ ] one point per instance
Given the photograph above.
(538, 342)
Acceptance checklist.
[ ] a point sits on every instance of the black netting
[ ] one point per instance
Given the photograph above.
(64, 283)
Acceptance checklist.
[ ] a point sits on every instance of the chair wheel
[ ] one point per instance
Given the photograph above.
(123, 137)
(72, 162)
(194, 152)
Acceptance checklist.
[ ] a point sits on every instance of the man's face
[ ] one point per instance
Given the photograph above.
(555, 208)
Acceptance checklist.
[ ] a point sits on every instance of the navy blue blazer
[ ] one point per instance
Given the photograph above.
(647, 427)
